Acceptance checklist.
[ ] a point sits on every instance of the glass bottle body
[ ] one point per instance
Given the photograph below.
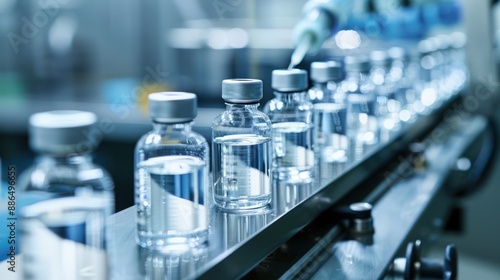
(389, 102)
(171, 177)
(68, 199)
(330, 139)
(325, 93)
(241, 141)
(363, 110)
(293, 154)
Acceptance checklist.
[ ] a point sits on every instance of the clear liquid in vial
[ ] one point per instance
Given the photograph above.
(333, 159)
(362, 123)
(293, 163)
(241, 171)
(64, 238)
(331, 143)
(171, 202)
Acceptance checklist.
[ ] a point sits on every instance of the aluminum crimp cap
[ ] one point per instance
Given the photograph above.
(244, 91)
(359, 63)
(63, 132)
(380, 58)
(292, 80)
(172, 107)
(323, 72)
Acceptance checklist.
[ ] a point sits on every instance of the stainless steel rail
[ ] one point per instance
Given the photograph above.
(239, 260)
(257, 256)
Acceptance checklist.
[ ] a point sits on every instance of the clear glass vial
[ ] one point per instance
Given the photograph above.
(293, 155)
(241, 147)
(404, 75)
(329, 119)
(331, 144)
(68, 199)
(388, 102)
(429, 77)
(362, 113)
(171, 176)
(326, 77)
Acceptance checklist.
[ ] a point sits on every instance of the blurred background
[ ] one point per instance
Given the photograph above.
(107, 56)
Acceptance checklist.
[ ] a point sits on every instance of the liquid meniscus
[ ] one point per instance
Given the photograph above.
(241, 171)
(171, 202)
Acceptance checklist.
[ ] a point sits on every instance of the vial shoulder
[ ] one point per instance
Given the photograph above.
(171, 138)
(47, 175)
(279, 111)
(240, 118)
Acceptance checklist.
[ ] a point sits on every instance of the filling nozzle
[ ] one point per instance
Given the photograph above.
(320, 19)
(301, 48)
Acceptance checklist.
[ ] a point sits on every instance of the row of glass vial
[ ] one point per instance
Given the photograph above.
(172, 161)
(256, 156)
(70, 197)
(371, 97)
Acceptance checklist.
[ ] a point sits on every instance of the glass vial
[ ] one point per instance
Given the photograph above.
(68, 199)
(404, 74)
(232, 227)
(171, 176)
(241, 146)
(293, 156)
(429, 77)
(329, 119)
(388, 103)
(331, 144)
(362, 114)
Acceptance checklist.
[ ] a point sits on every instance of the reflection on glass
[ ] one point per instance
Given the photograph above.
(330, 138)
(183, 264)
(64, 238)
(290, 112)
(362, 124)
(388, 103)
(234, 226)
(404, 73)
(430, 75)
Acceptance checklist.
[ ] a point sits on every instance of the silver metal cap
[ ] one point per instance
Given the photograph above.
(398, 53)
(292, 80)
(242, 90)
(380, 58)
(323, 72)
(172, 107)
(63, 132)
(359, 63)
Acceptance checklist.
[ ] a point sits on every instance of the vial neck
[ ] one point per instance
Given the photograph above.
(357, 76)
(319, 85)
(291, 96)
(72, 159)
(172, 127)
(330, 85)
(235, 106)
